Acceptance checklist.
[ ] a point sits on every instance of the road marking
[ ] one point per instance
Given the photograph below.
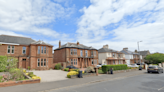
(93, 82)
(160, 88)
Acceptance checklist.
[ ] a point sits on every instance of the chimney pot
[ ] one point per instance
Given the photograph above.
(77, 43)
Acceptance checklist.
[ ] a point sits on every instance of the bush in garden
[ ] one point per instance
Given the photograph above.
(1, 78)
(66, 69)
(90, 69)
(16, 74)
(72, 73)
(105, 68)
(58, 66)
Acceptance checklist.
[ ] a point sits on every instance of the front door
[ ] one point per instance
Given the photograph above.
(23, 64)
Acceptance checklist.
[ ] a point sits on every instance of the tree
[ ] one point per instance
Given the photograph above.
(154, 58)
(6, 63)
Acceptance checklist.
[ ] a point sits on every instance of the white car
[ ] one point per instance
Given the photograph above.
(100, 65)
(133, 65)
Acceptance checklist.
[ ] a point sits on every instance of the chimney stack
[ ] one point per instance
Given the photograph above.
(106, 46)
(77, 43)
(59, 44)
(135, 51)
(125, 49)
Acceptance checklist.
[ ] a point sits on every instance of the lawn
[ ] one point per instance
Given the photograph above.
(100, 71)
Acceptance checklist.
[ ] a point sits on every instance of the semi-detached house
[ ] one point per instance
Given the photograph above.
(75, 54)
(30, 53)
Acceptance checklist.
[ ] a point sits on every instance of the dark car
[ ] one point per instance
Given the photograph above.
(71, 67)
(155, 69)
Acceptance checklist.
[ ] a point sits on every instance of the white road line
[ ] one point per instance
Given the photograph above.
(160, 88)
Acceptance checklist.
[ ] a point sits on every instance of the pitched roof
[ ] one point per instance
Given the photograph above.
(20, 40)
(16, 39)
(129, 52)
(144, 53)
(74, 45)
(40, 42)
(102, 50)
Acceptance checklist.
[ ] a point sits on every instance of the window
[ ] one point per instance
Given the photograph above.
(12, 49)
(38, 49)
(91, 53)
(86, 53)
(94, 53)
(113, 62)
(74, 62)
(134, 61)
(45, 62)
(92, 61)
(44, 49)
(23, 59)
(24, 50)
(75, 51)
(134, 56)
(71, 51)
(113, 55)
(8, 49)
(71, 61)
(38, 62)
(119, 55)
(41, 62)
(119, 62)
(81, 53)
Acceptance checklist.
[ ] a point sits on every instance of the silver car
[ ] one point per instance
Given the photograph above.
(155, 69)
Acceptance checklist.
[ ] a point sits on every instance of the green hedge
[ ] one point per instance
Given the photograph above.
(66, 69)
(105, 68)
(58, 66)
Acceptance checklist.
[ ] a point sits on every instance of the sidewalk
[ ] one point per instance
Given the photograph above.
(65, 83)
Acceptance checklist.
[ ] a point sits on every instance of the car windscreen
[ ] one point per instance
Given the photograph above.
(152, 66)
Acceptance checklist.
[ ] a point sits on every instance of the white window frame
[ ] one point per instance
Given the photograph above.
(42, 51)
(92, 53)
(45, 49)
(86, 53)
(38, 49)
(38, 61)
(71, 51)
(74, 62)
(113, 54)
(81, 53)
(8, 49)
(95, 53)
(12, 49)
(114, 62)
(41, 62)
(44, 63)
(119, 61)
(23, 50)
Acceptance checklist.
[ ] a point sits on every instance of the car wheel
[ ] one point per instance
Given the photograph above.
(148, 72)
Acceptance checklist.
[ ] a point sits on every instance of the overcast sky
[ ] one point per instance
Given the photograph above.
(118, 23)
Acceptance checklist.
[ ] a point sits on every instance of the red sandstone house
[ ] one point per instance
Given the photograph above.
(35, 54)
(76, 54)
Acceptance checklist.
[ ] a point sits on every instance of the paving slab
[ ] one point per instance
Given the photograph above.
(51, 75)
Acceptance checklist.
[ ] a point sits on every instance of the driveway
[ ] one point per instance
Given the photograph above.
(51, 75)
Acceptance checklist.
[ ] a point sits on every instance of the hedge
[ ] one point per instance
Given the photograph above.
(58, 66)
(105, 68)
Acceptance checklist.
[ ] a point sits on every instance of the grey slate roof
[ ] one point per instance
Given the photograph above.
(74, 45)
(102, 50)
(144, 53)
(129, 52)
(20, 40)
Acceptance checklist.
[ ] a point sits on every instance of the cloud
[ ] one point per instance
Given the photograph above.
(121, 23)
(31, 15)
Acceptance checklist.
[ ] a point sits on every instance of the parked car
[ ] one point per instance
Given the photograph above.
(132, 65)
(155, 69)
(71, 67)
(100, 65)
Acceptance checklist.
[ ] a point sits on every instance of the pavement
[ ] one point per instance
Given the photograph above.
(51, 75)
(69, 83)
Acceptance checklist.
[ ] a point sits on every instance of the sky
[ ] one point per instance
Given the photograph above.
(118, 23)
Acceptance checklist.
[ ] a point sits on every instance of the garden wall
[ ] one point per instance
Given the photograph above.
(14, 83)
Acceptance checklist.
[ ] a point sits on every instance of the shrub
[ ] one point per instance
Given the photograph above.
(90, 69)
(58, 66)
(105, 68)
(72, 73)
(77, 70)
(17, 74)
(1, 78)
(66, 69)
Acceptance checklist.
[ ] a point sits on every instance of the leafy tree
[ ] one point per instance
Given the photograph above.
(154, 58)
(6, 63)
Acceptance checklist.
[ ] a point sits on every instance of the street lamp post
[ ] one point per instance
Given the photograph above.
(140, 68)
